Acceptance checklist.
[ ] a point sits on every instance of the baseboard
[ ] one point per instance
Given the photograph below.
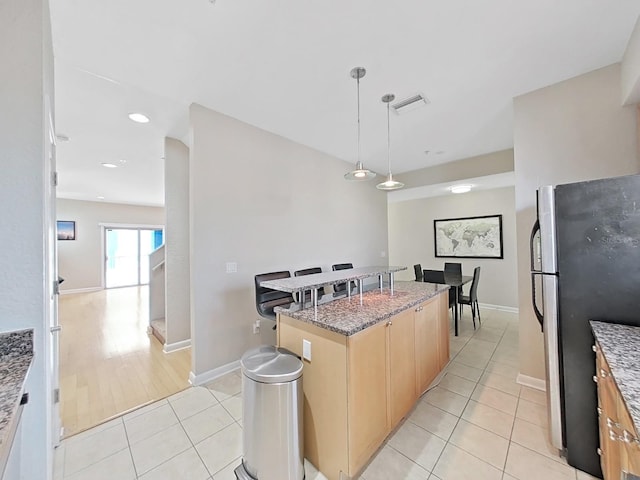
(172, 347)
(81, 290)
(211, 375)
(532, 382)
(502, 308)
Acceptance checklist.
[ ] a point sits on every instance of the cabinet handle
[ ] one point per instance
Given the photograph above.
(604, 373)
(389, 323)
(594, 348)
(613, 436)
(599, 410)
(595, 378)
(599, 451)
(612, 424)
(628, 437)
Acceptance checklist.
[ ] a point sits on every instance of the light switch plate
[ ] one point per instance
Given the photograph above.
(232, 267)
(306, 349)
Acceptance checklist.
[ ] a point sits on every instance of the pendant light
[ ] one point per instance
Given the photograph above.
(360, 173)
(390, 183)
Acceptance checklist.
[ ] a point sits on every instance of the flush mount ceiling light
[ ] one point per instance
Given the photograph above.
(109, 165)
(100, 197)
(360, 173)
(139, 117)
(460, 188)
(390, 183)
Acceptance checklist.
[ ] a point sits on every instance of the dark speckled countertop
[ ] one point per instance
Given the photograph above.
(16, 354)
(620, 346)
(346, 316)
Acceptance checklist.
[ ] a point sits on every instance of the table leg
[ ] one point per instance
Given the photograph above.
(455, 312)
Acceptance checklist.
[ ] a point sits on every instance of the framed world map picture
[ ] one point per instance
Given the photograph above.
(470, 237)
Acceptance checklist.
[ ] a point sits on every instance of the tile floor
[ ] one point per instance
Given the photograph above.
(477, 423)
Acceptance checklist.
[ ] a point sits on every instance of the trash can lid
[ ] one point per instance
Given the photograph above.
(268, 364)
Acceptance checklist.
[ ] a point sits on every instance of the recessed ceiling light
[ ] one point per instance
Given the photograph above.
(109, 165)
(139, 117)
(460, 188)
(122, 161)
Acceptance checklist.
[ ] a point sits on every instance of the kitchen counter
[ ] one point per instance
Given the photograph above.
(16, 355)
(348, 316)
(620, 346)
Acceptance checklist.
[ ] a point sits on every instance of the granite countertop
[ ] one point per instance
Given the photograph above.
(317, 280)
(16, 354)
(620, 346)
(346, 316)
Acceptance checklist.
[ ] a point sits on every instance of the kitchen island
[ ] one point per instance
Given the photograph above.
(366, 362)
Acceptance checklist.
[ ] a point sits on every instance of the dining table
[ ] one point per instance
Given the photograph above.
(456, 280)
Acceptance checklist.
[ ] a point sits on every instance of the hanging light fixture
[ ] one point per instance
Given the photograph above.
(390, 183)
(360, 173)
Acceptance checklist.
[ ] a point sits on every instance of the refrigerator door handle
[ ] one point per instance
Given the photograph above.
(534, 272)
(534, 230)
(536, 310)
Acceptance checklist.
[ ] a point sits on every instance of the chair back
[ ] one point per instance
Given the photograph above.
(341, 287)
(310, 271)
(267, 298)
(417, 269)
(473, 292)
(433, 276)
(455, 268)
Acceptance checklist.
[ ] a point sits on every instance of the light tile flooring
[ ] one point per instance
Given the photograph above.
(477, 423)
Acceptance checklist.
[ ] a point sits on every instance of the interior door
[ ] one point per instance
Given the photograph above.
(51, 273)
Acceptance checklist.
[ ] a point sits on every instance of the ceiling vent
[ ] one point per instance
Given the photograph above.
(411, 103)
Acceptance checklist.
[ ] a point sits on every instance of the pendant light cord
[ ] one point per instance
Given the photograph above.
(358, 83)
(388, 139)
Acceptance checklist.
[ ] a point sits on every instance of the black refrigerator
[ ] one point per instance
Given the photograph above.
(585, 265)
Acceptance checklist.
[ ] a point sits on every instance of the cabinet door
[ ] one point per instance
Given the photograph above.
(367, 396)
(608, 419)
(426, 344)
(402, 365)
(629, 447)
(443, 329)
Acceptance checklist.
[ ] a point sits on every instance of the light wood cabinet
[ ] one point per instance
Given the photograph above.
(401, 365)
(619, 448)
(358, 388)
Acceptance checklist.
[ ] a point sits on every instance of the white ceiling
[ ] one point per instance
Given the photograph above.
(283, 65)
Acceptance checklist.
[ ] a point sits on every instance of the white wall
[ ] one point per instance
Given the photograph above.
(176, 194)
(268, 204)
(572, 131)
(411, 239)
(26, 84)
(630, 68)
(80, 260)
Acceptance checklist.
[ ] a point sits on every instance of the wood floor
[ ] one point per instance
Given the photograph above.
(108, 362)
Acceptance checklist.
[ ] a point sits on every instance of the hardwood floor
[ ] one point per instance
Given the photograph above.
(108, 362)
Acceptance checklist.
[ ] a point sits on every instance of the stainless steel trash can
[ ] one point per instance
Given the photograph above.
(272, 415)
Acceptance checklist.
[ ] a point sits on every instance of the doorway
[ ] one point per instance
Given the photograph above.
(126, 254)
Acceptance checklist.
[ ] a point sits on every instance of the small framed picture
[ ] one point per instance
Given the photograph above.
(66, 230)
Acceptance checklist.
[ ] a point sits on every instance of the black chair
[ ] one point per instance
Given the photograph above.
(342, 287)
(266, 298)
(455, 268)
(417, 269)
(472, 298)
(310, 271)
(437, 276)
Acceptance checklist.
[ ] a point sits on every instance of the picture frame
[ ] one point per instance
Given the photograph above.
(66, 229)
(469, 237)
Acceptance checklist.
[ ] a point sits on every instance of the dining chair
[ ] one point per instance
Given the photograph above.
(309, 271)
(417, 269)
(267, 298)
(472, 298)
(342, 287)
(452, 267)
(437, 276)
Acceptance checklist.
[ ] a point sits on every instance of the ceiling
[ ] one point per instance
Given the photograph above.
(283, 65)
